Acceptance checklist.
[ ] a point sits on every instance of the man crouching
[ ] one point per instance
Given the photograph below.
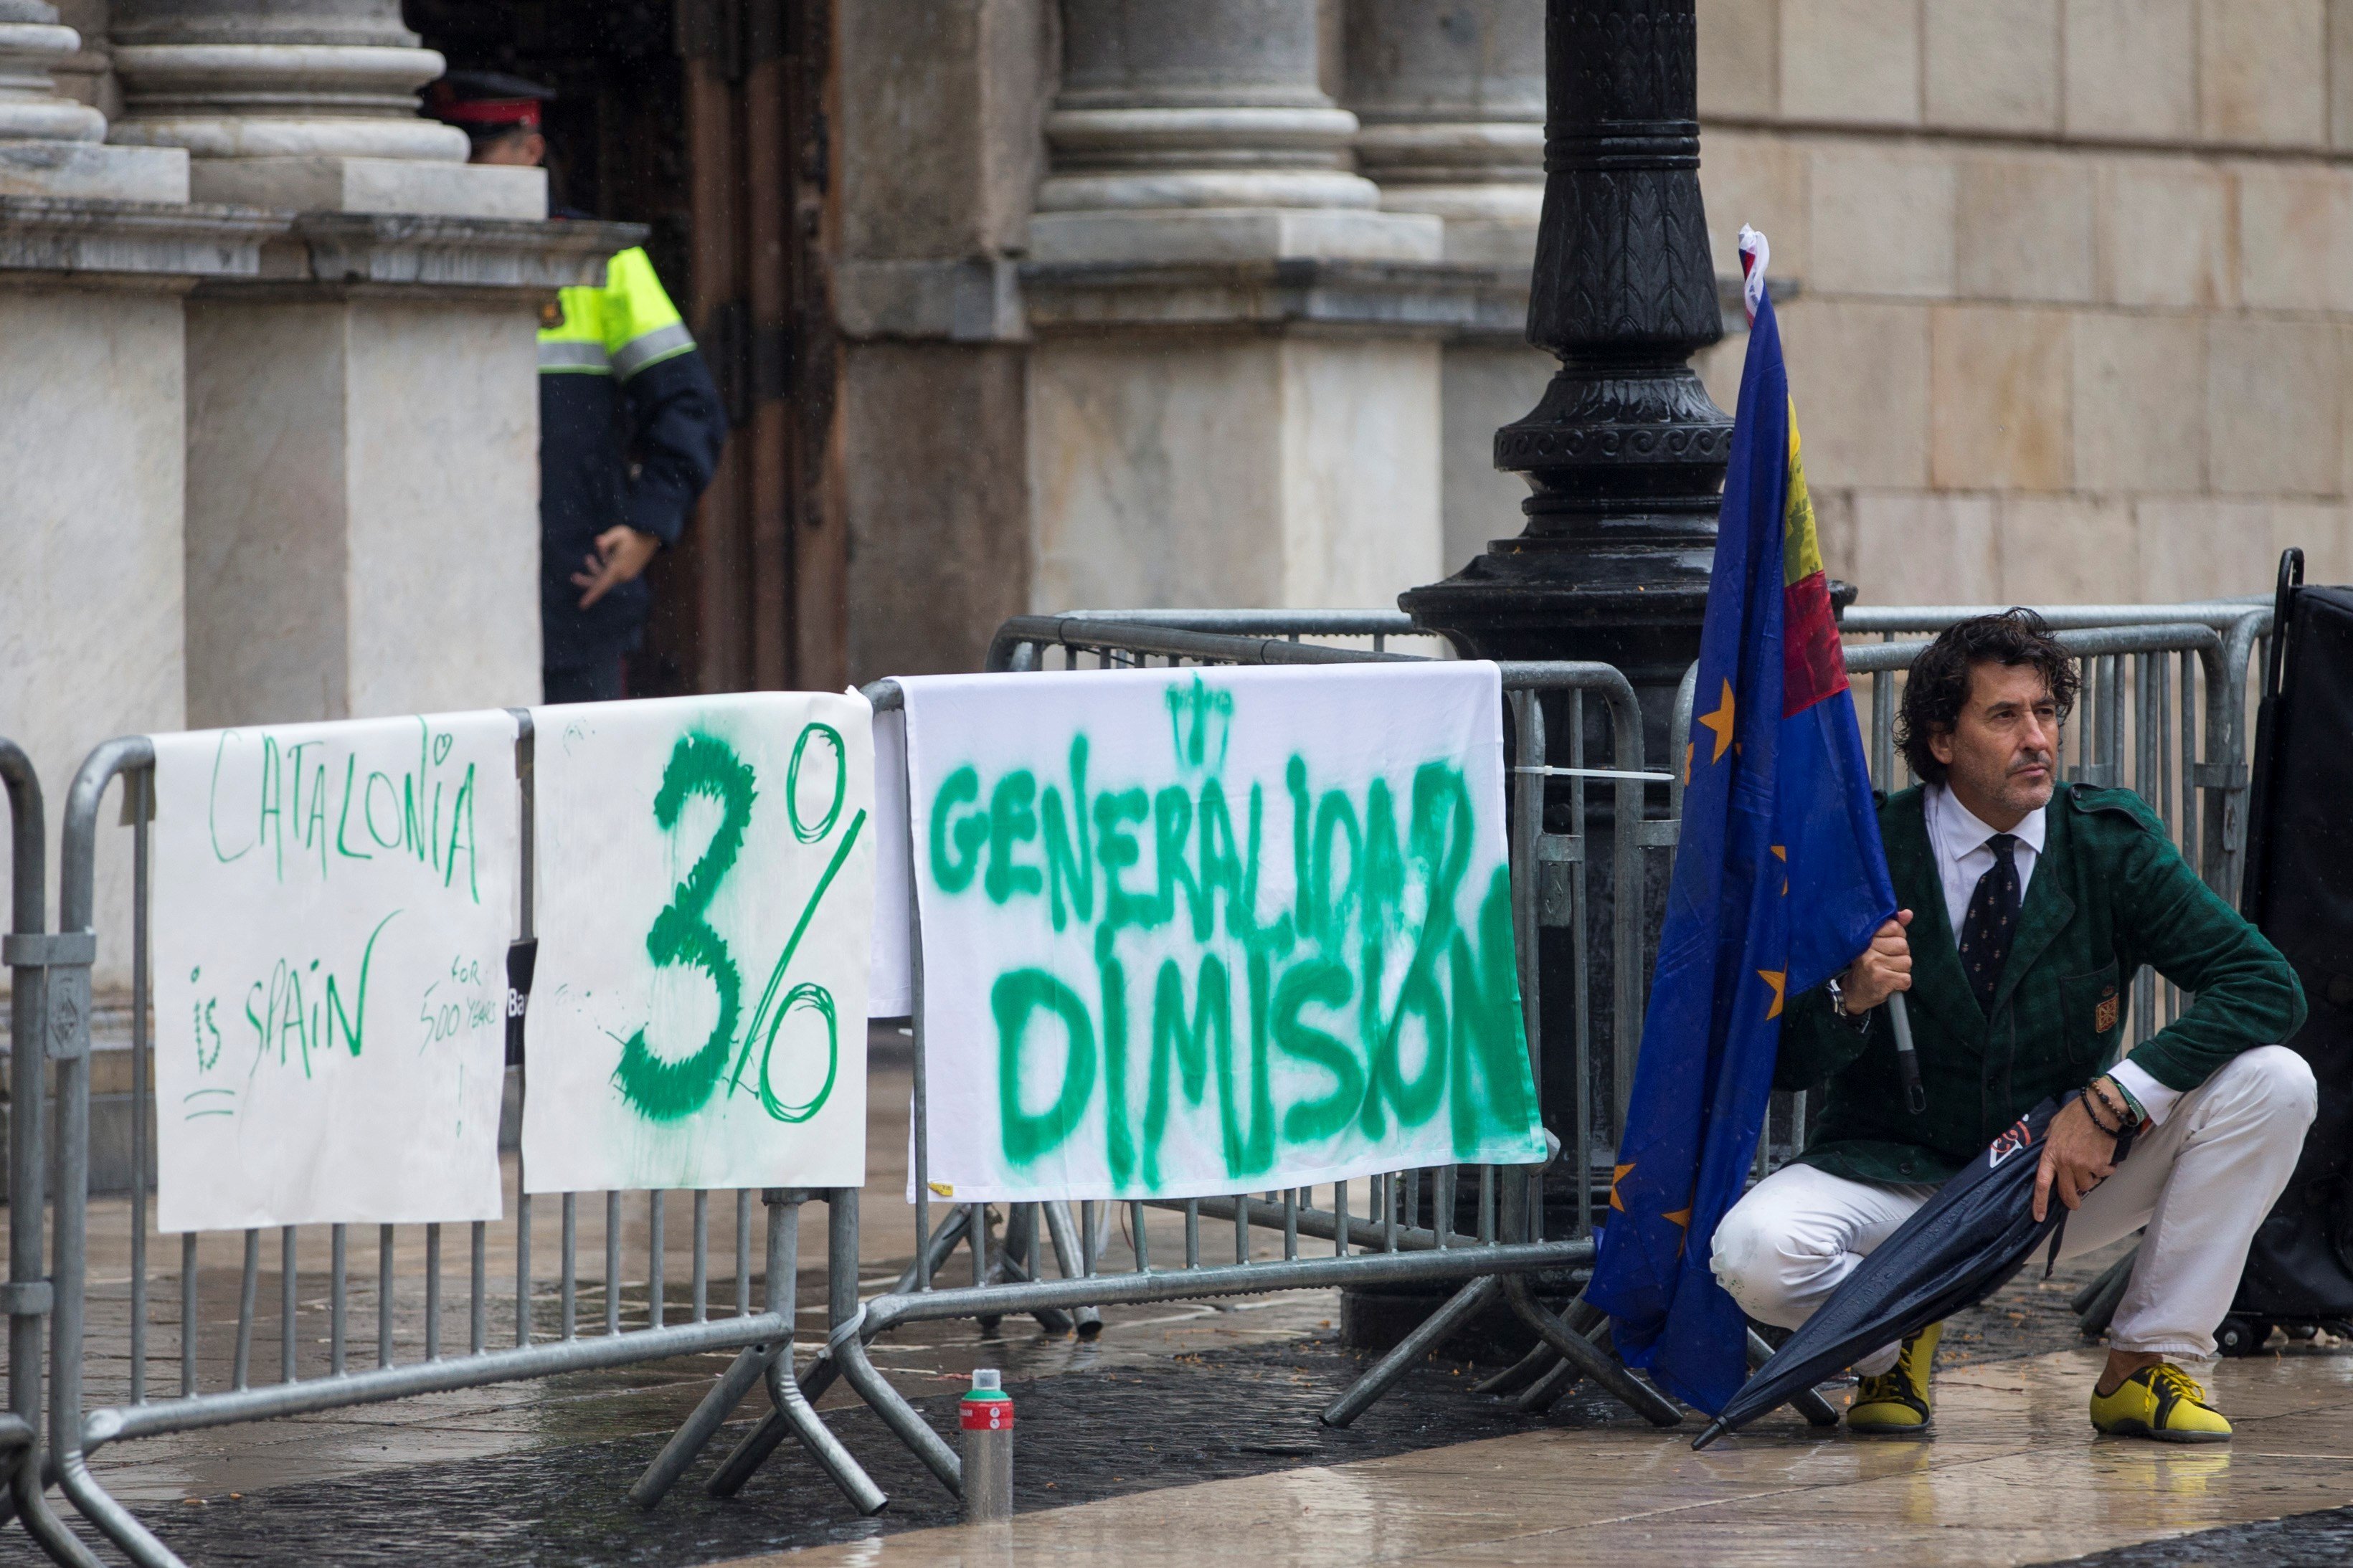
(2027, 918)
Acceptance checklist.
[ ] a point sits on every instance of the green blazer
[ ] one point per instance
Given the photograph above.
(2110, 892)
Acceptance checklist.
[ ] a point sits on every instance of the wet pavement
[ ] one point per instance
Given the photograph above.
(2014, 1475)
(1184, 1395)
(1217, 1399)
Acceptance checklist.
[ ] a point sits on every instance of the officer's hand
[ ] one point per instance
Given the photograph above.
(621, 553)
(1884, 968)
(2076, 1157)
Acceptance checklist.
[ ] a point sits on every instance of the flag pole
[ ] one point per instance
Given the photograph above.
(1908, 1061)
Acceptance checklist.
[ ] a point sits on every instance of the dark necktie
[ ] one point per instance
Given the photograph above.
(1992, 918)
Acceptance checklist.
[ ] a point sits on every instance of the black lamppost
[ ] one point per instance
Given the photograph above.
(1625, 455)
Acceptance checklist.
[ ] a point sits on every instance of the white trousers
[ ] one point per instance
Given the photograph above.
(2201, 1181)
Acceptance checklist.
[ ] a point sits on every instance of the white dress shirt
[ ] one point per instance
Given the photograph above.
(1963, 858)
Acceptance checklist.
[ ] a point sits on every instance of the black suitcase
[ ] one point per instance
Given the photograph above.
(2299, 892)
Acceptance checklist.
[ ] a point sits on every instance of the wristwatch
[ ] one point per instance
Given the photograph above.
(1861, 1021)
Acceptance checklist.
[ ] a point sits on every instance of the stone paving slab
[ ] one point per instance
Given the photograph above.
(1161, 1423)
(2016, 1476)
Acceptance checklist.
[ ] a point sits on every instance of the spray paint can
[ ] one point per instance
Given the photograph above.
(988, 1422)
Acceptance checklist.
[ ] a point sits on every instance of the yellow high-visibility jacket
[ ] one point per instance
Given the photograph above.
(631, 428)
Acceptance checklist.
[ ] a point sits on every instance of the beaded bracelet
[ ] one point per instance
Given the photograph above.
(2110, 1102)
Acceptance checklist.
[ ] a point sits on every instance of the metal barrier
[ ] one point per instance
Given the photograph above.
(42, 1014)
(103, 1341)
(2147, 664)
(1486, 1227)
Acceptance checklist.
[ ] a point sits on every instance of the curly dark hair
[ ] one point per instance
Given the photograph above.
(1938, 686)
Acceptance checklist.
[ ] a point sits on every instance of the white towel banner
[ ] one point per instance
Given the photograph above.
(1214, 930)
(331, 909)
(706, 888)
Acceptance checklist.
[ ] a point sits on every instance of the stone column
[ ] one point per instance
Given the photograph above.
(1197, 131)
(1451, 96)
(307, 104)
(363, 479)
(1233, 396)
(97, 250)
(51, 145)
(362, 527)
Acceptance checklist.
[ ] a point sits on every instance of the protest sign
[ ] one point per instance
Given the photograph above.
(697, 1008)
(1214, 930)
(331, 909)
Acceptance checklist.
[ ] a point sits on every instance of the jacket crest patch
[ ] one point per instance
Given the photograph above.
(2104, 1016)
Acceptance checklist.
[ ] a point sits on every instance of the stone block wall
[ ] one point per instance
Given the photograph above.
(2070, 313)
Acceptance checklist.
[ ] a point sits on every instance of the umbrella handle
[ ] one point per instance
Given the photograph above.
(1908, 1061)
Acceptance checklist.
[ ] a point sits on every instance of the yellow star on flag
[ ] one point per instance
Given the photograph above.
(1777, 979)
(1617, 1174)
(1782, 850)
(1682, 1217)
(1720, 721)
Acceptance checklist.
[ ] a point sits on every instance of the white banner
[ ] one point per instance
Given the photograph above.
(332, 905)
(698, 1010)
(1190, 931)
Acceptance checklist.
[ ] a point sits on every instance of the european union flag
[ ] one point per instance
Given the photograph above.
(1779, 882)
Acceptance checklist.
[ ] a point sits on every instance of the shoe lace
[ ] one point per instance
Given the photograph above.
(1880, 1387)
(1895, 1384)
(2165, 1378)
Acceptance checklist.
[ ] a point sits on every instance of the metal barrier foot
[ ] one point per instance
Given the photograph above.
(1529, 1369)
(793, 1411)
(1547, 1391)
(748, 1455)
(112, 1520)
(896, 1413)
(825, 1449)
(699, 1428)
(1808, 1402)
(1600, 1366)
(1070, 1259)
(1018, 1259)
(1433, 1331)
(26, 1501)
(943, 1243)
(786, 1420)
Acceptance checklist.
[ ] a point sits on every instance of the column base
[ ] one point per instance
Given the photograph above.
(1478, 241)
(93, 171)
(1236, 233)
(340, 185)
(1224, 468)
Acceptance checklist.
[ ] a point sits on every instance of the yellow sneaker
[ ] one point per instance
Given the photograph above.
(2161, 1402)
(1895, 1403)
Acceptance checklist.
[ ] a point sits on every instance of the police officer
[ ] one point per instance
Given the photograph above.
(630, 424)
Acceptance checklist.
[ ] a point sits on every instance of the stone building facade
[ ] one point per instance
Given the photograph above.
(266, 354)
(2074, 318)
(1121, 301)
(2067, 287)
